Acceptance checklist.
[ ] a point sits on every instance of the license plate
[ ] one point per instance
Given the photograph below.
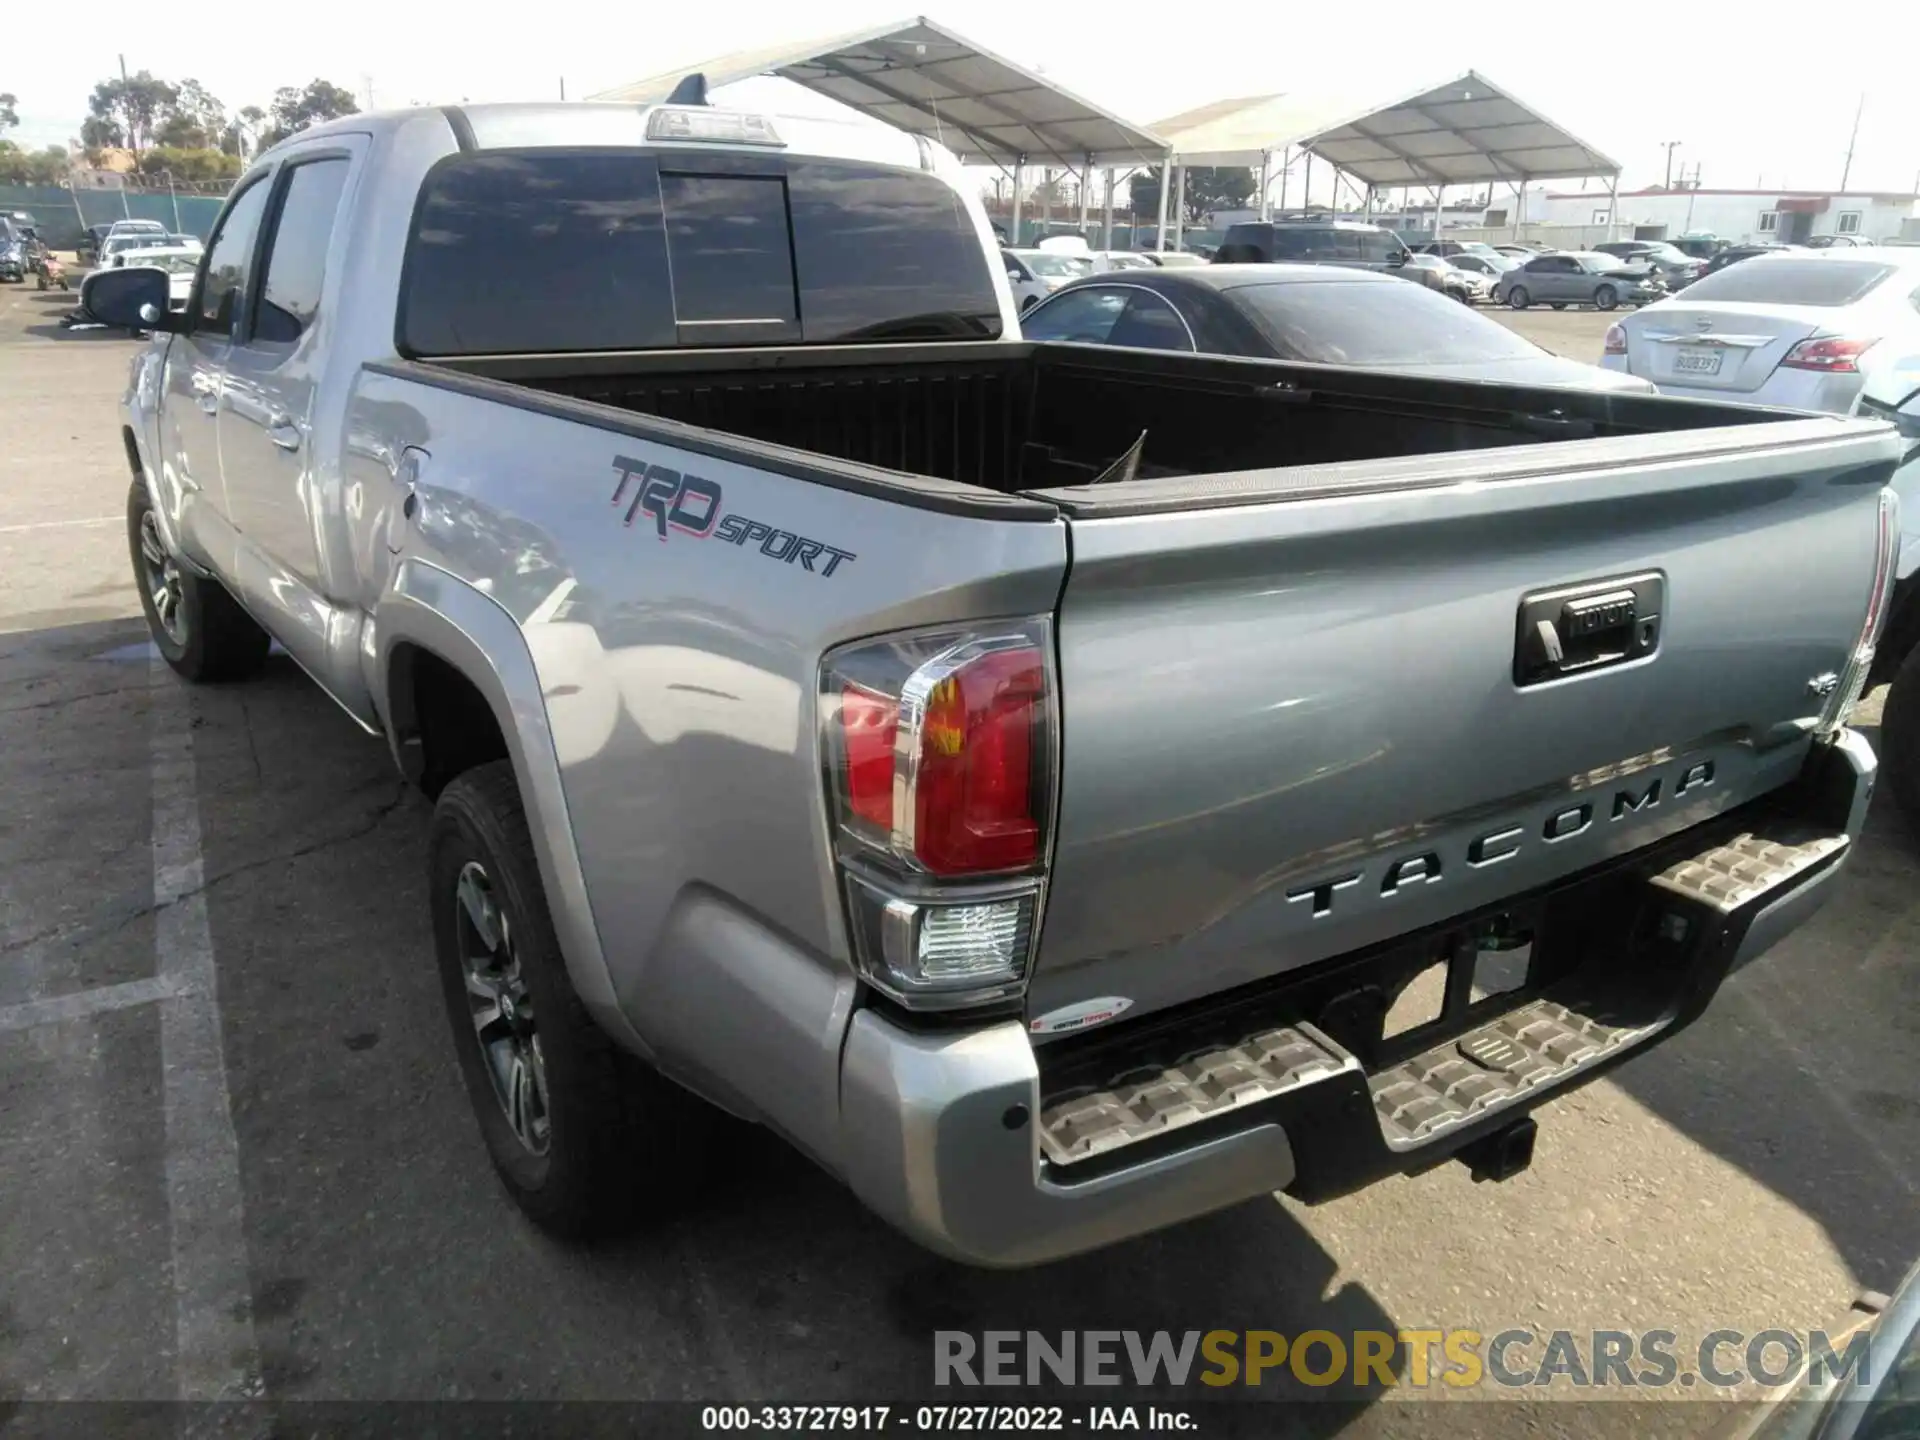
(1700, 361)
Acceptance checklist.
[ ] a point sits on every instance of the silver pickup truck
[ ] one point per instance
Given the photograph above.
(1063, 790)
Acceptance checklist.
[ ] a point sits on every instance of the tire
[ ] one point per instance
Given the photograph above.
(1518, 298)
(609, 1142)
(1899, 739)
(203, 633)
(1605, 298)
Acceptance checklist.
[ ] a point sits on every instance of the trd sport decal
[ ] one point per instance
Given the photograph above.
(691, 505)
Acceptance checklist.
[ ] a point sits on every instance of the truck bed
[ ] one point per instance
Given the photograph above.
(1017, 418)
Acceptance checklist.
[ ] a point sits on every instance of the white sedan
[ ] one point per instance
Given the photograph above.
(1036, 274)
(1799, 329)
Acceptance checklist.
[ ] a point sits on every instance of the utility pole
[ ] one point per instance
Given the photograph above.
(1847, 169)
(1670, 146)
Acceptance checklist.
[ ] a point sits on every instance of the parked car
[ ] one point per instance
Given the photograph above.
(1320, 314)
(1437, 273)
(13, 252)
(1675, 267)
(1834, 242)
(1520, 252)
(1576, 277)
(1796, 329)
(180, 262)
(1023, 775)
(1174, 259)
(1109, 260)
(135, 227)
(1346, 243)
(1036, 274)
(1484, 268)
(1734, 254)
(1699, 244)
(1451, 249)
(91, 239)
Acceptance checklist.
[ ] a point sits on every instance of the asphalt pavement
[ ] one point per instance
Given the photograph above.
(235, 1157)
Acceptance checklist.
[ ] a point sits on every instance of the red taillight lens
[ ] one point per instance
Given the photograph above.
(1616, 341)
(1836, 355)
(974, 807)
(869, 724)
(940, 746)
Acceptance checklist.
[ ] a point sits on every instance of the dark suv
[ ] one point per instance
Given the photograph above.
(1330, 242)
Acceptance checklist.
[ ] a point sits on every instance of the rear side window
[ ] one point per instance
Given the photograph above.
(558, 251)
(297, 263)
(1791, 282)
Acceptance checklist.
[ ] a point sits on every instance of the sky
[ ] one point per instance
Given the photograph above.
(1756, 97)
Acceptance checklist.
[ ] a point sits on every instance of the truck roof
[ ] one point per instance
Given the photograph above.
(511, 125)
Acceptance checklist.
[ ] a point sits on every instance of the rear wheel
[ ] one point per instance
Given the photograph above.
(1518, 298)
(586, 1139)
(199, 629)
(1899, 741)
(1606, 297)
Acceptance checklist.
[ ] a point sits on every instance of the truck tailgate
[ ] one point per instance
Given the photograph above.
(1300, 727)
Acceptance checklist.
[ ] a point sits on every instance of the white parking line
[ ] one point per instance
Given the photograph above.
(215, 1354)
(63, 524)
(82, 1003)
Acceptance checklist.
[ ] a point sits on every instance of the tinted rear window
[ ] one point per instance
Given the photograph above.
(558, 251)
(1791, 282)
(1390, 323)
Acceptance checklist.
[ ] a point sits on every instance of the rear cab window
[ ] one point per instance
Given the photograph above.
(559, 251)
(1791, 282)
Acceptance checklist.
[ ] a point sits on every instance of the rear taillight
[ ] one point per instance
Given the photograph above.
(1853, 679)
(939, 753)
(1616, 341)
(1836, 354)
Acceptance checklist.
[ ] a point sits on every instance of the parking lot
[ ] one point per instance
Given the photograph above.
(235, 1155)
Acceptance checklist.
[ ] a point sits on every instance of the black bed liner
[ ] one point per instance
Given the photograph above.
(1026, 431)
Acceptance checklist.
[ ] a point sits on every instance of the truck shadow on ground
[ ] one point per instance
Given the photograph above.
(1805, 1070)
(364, 1175)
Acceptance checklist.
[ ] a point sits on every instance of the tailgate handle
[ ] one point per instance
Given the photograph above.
(1573, 629)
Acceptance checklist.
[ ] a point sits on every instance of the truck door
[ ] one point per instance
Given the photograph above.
(272, 373)
(196, 369)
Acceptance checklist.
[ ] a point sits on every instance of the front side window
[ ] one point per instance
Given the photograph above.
(297, 261)
(230, 260)
(1084, 317)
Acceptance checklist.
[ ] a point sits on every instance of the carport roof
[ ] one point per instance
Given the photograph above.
(1465, 131)
(921, 77)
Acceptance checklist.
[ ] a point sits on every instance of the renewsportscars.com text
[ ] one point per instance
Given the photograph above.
(1396, 1359)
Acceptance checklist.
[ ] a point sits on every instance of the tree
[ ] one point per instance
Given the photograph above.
(1209, 187)
(128, 112)
(294, 110)
(194, 119)
(37, 167)
(242, 134)
(189, 164)
(9, 111)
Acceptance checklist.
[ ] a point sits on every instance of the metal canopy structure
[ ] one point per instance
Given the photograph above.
(1464, 132)
(920, 77)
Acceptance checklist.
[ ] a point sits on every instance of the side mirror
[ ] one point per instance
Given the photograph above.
(131, 298)
(1014, 275)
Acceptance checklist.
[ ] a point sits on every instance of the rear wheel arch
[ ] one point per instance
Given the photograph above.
(443, 722)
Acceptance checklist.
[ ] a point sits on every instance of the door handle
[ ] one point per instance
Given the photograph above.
(283, 432)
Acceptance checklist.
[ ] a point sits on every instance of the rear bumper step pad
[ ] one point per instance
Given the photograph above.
(1490, 1068)
(1146, 1103)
